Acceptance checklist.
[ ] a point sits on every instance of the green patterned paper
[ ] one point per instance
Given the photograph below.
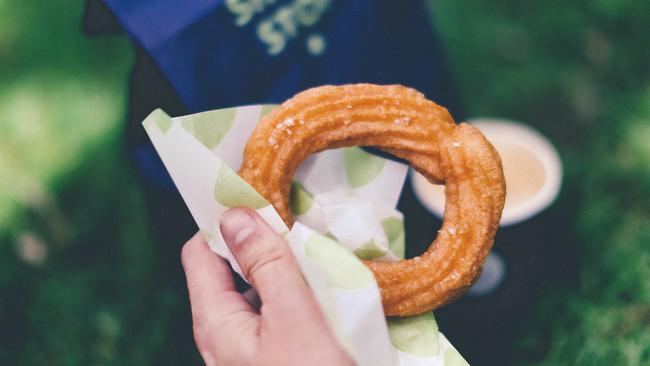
(301, 200)
(369, 251)
(416, 335)
(394, 229)
(159, 119)
(343, 270)
(210, 129)
(232, 191)
(361, 168)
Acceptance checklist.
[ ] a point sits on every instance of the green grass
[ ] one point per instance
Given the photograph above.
(578, 72)
(60, 93)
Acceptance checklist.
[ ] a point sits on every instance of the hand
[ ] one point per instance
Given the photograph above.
(288, 329)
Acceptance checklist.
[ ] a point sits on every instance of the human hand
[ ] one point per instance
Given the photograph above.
(289, 328)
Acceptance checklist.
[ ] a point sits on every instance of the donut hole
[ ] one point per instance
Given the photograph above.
(420, 226)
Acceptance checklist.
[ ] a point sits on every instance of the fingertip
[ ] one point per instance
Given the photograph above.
(196, 244)
(237, 214)
(237, 225)
(201, 264)
(239, 210)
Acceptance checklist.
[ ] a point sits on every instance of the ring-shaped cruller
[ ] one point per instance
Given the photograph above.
(403, 122)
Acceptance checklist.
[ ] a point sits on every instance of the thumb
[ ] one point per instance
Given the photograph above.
(268, 264)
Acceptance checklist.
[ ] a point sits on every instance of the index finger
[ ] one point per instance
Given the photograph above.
(215, 302)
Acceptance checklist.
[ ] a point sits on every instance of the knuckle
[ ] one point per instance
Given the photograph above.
(213, 347)
(202, 337)
(205, 343)
(263, 258)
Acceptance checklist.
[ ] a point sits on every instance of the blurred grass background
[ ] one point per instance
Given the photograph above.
(78, 268)
(78, 265)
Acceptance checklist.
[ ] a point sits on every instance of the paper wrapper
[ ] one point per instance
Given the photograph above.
(344, 205)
